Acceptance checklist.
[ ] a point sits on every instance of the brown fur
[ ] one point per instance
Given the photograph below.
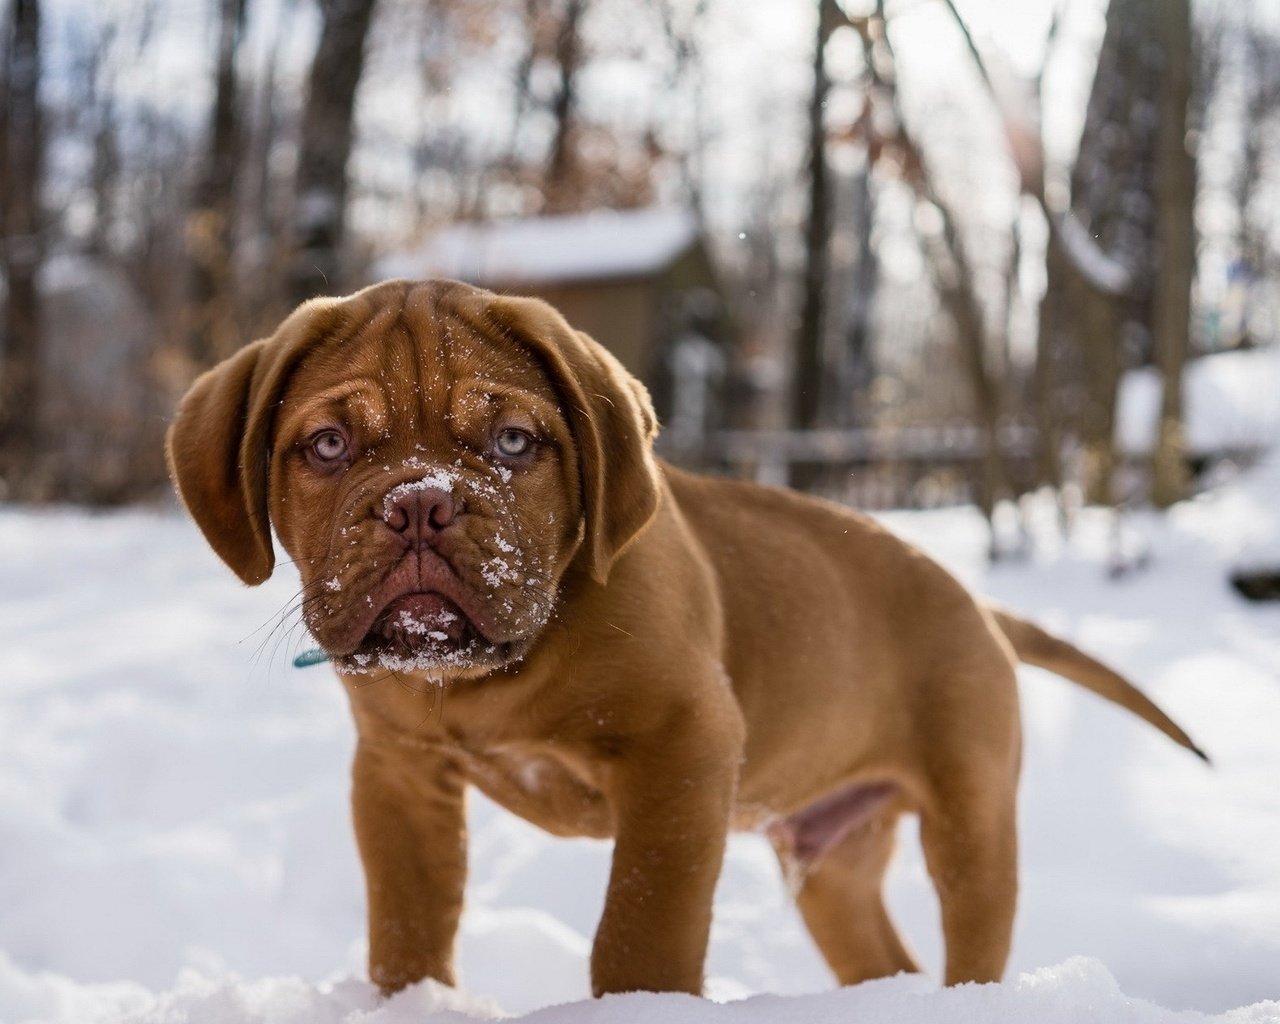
(649, 655)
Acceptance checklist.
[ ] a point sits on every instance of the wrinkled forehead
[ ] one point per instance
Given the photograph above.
(413, 357)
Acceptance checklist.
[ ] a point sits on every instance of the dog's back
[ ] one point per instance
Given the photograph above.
(825, 609)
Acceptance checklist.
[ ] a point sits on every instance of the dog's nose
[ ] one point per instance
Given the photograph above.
(418, 513)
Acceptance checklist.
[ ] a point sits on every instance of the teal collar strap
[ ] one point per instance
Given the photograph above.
(307, 658)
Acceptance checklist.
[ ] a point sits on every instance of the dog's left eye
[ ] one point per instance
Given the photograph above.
(512, 443)
(329, 446)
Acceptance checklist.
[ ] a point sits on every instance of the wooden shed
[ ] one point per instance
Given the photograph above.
(639, 281)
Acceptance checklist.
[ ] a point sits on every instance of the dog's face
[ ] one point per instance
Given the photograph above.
(435, 479)
(434, 458)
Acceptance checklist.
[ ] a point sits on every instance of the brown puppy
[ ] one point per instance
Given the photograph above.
(517, 596)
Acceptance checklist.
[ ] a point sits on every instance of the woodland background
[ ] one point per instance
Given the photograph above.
(920, 211)
(965, 251)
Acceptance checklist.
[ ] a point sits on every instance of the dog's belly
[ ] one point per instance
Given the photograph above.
(562, 798)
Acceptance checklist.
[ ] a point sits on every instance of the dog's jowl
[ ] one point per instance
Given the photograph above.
(468, 489)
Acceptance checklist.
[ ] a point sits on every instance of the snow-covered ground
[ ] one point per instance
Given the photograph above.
(174, 843)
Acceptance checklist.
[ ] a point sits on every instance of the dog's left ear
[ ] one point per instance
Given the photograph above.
(218, 445)
(612, 421)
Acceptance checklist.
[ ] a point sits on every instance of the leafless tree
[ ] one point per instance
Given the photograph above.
(264, 247)
(562, 176)
(807, 372)
(1259, 51)
(21, 245)
(1122, 256)
(949, 262)
(682, 26)
(855, 367)
(1175, 249)
(213, 333)
(1106, 307)
(96, 117)
(1111, 199)
(328, 131)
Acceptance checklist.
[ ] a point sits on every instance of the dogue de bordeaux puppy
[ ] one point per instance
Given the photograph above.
(517, 595)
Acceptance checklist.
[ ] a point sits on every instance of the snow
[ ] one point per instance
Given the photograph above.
(1231, 404)
(1248, 512)
(1102, 270)
(542, 250)
(1080, 991)
(440, 479)
(175, 843)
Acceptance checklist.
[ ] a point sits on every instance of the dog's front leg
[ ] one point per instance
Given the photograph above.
(411, 830)
(673, 795)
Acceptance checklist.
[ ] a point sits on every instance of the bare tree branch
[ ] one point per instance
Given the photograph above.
(1102, 271)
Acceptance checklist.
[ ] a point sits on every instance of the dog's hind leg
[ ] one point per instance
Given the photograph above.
(840, 898)
(970, 847)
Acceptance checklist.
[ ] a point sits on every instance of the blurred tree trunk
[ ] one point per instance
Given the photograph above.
(562, 185)
(1113, 213)
(953, 277)
(1050, 374)
(683, 24)
(1176, 250)
(1084, 282)
(320, 199)
(522, 81)
(97, 106)
(1261, 79)
(1121, 261)
(807, 371)
(265, 249)
(214, 333)
(949, 266)
(21, 167)
(1098, 335)
(857, 369)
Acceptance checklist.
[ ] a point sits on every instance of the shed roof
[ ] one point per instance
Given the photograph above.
(552, 250)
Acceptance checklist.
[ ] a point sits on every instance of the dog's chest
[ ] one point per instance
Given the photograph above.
(549, 787)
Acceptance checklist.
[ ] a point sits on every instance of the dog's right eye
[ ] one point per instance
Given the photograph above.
(513, 443)
(329, 446)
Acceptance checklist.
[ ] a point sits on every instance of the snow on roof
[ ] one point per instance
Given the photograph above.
(545, 250)
(1231, 402)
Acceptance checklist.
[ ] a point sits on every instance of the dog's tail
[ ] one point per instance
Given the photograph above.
(1044, 650)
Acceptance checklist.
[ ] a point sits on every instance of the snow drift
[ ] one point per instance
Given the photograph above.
(173, 819)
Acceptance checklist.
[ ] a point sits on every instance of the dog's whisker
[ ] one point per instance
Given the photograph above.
(290, 638)
(280, 619)
(274, 616)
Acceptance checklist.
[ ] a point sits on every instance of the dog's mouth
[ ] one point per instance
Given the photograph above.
(414, 619)
(424, 631)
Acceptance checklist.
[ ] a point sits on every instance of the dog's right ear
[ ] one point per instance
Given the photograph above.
(219, 443)
(221, 480)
